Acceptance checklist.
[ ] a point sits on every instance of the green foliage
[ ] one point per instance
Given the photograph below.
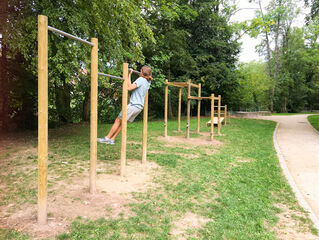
(254, 87)
(193, 41)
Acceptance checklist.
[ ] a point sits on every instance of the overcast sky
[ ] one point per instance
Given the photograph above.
(248, 51)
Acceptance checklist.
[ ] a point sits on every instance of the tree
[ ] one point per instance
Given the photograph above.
(273, 23)
(254, 85)
(120, 28)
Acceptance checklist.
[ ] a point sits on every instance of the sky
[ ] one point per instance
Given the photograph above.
(248, 52)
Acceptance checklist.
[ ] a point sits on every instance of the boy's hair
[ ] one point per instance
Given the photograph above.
(147, 73)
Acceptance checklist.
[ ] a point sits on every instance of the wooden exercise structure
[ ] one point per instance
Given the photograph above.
(189, 85)
(43, 113)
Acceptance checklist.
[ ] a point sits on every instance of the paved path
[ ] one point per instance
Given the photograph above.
(299, 145)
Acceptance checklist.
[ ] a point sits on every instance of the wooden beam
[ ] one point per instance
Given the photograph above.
(165, 108)
(219, 122)
(198, 98)
(42, 118)
(194, 98)
(145, 115)
(198, 108)
(194, 85)
(188, 109)
(93, 116)
(179, 108)
(225, 115)
(124, 119)
(176, 84)
(212, 118)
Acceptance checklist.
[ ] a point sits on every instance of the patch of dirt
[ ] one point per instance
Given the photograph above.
(290, 227)
(189, 221)
(71, 200)
(191, 141)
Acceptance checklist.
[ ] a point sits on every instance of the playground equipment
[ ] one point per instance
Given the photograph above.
(43, 113)
(220, 119)
(189, 85)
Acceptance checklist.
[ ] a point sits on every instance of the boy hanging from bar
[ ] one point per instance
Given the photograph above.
(139, 89)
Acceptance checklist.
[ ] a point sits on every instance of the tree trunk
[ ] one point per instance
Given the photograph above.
(4, 89)
(63, 101)
(86, 106)
(270, 72)
(4, 77)
(276, 54)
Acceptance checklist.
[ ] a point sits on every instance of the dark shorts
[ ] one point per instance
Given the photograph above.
(132, 113)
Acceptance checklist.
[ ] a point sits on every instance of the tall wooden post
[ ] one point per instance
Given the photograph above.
(165, 108)
(219, 122)
(179, 108)
(212, 112)
(188, 108)
(93, 118)
(145, 114)
(124, 119)
(198, 107)
(42, 118)
(225, 114)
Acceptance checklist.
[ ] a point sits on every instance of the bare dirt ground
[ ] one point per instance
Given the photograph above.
(299, 145)
(73, 200)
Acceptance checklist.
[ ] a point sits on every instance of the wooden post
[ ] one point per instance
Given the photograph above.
(145, 113)
(188, 108)
(212, 112)
(165, 109)
(124, 119)
(179, 108)
(93, 117)
(42, 118)
(219, 122)
(198, 108)
(225, 114)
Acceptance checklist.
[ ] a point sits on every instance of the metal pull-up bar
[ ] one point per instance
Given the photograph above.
(69, 36)
(134, 71)
(110, 76)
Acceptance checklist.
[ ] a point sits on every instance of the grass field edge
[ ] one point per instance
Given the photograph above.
(314, 129)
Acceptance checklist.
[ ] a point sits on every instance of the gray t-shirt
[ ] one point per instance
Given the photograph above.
(138, 94)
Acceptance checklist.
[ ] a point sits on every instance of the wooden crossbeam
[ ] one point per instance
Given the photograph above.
(199, 98)
(176, 84)
(194, 85)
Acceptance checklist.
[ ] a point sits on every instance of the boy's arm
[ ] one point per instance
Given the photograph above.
(130, 86)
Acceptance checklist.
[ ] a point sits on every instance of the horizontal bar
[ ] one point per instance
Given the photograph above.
(69, 36)
(134, 71)
(194, 85)
(195, 98)
(198, 98)
(176, 84)
(110, 76)
(220, 106)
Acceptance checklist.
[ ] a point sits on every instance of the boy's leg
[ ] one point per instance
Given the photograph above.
(116, 126)
(116, 133)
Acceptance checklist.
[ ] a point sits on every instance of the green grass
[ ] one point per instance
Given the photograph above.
(314, 121)
(284, 114)
(235, 189)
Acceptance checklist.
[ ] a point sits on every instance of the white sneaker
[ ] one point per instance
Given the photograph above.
(105, 140)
